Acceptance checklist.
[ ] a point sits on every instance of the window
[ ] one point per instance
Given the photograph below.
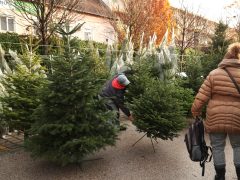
(109, 35)
(88, 34)
(7, 23)
(10, 24)
(4, 23)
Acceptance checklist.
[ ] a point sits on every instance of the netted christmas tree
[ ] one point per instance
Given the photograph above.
(158, 103)
(20, 87)
(71, 122)
(158, 111)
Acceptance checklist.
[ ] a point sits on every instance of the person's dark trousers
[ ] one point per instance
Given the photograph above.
(238, 171)
(110, 105)
(220, 172)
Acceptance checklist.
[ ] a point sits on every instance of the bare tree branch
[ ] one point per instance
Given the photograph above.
(45, 15)
(142, 16)
(234, 19)
(189, 25)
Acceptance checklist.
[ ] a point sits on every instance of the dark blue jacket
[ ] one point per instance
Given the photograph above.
(116, 95)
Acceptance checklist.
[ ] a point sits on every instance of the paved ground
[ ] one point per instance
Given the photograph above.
(121, 162)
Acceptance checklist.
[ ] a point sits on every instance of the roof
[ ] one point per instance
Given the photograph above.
(94, 7)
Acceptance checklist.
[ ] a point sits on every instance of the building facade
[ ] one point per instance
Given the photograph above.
(95, 14)
(192, 30)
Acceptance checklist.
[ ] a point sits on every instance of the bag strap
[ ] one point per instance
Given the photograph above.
(233, 80)
(203, 144)
(197, 119)
(207, 159)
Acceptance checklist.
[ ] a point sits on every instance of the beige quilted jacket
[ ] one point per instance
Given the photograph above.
(222, 98)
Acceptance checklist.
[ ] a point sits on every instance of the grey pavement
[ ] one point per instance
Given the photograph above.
(120, 162)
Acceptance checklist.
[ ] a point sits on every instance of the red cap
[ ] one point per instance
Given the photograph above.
(116, 84)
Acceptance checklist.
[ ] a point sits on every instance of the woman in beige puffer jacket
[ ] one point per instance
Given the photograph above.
(223, 109)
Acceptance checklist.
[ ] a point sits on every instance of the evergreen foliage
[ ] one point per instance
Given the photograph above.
(21, 88)
(17, 43)
(194, 71)
(198, 65)
(71, 121)
(159, 105)
(10, 41)
(83, 46)
(158, 111)
(219, 45)
(185, 95)
(219, 40)
(210, 62)
(142, 71)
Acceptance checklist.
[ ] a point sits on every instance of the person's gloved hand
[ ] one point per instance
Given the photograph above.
(195, 115)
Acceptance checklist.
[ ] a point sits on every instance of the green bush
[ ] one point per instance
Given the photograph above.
(57, 46)
(186, 96)
(210, 62)
(10, 41)
(16, 42)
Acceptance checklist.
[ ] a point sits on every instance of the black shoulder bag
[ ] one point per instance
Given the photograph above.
(196, 145)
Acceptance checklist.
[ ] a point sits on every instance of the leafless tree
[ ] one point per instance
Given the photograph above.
(234, 17)
(131, 17)
(45, 15)
(237, 27)
(190, 28)
(142, 16)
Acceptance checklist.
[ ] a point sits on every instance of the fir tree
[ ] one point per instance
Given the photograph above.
(193, 69)
(219, 40)
(219, 45)
(71, 121)
(158, 111)
(157, 104)
(20, 97)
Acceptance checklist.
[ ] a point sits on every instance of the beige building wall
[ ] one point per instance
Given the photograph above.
(114, 4)
(199, 34)
(10, 21)
(96, 28)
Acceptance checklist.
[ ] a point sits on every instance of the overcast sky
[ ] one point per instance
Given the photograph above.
(212, 9)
